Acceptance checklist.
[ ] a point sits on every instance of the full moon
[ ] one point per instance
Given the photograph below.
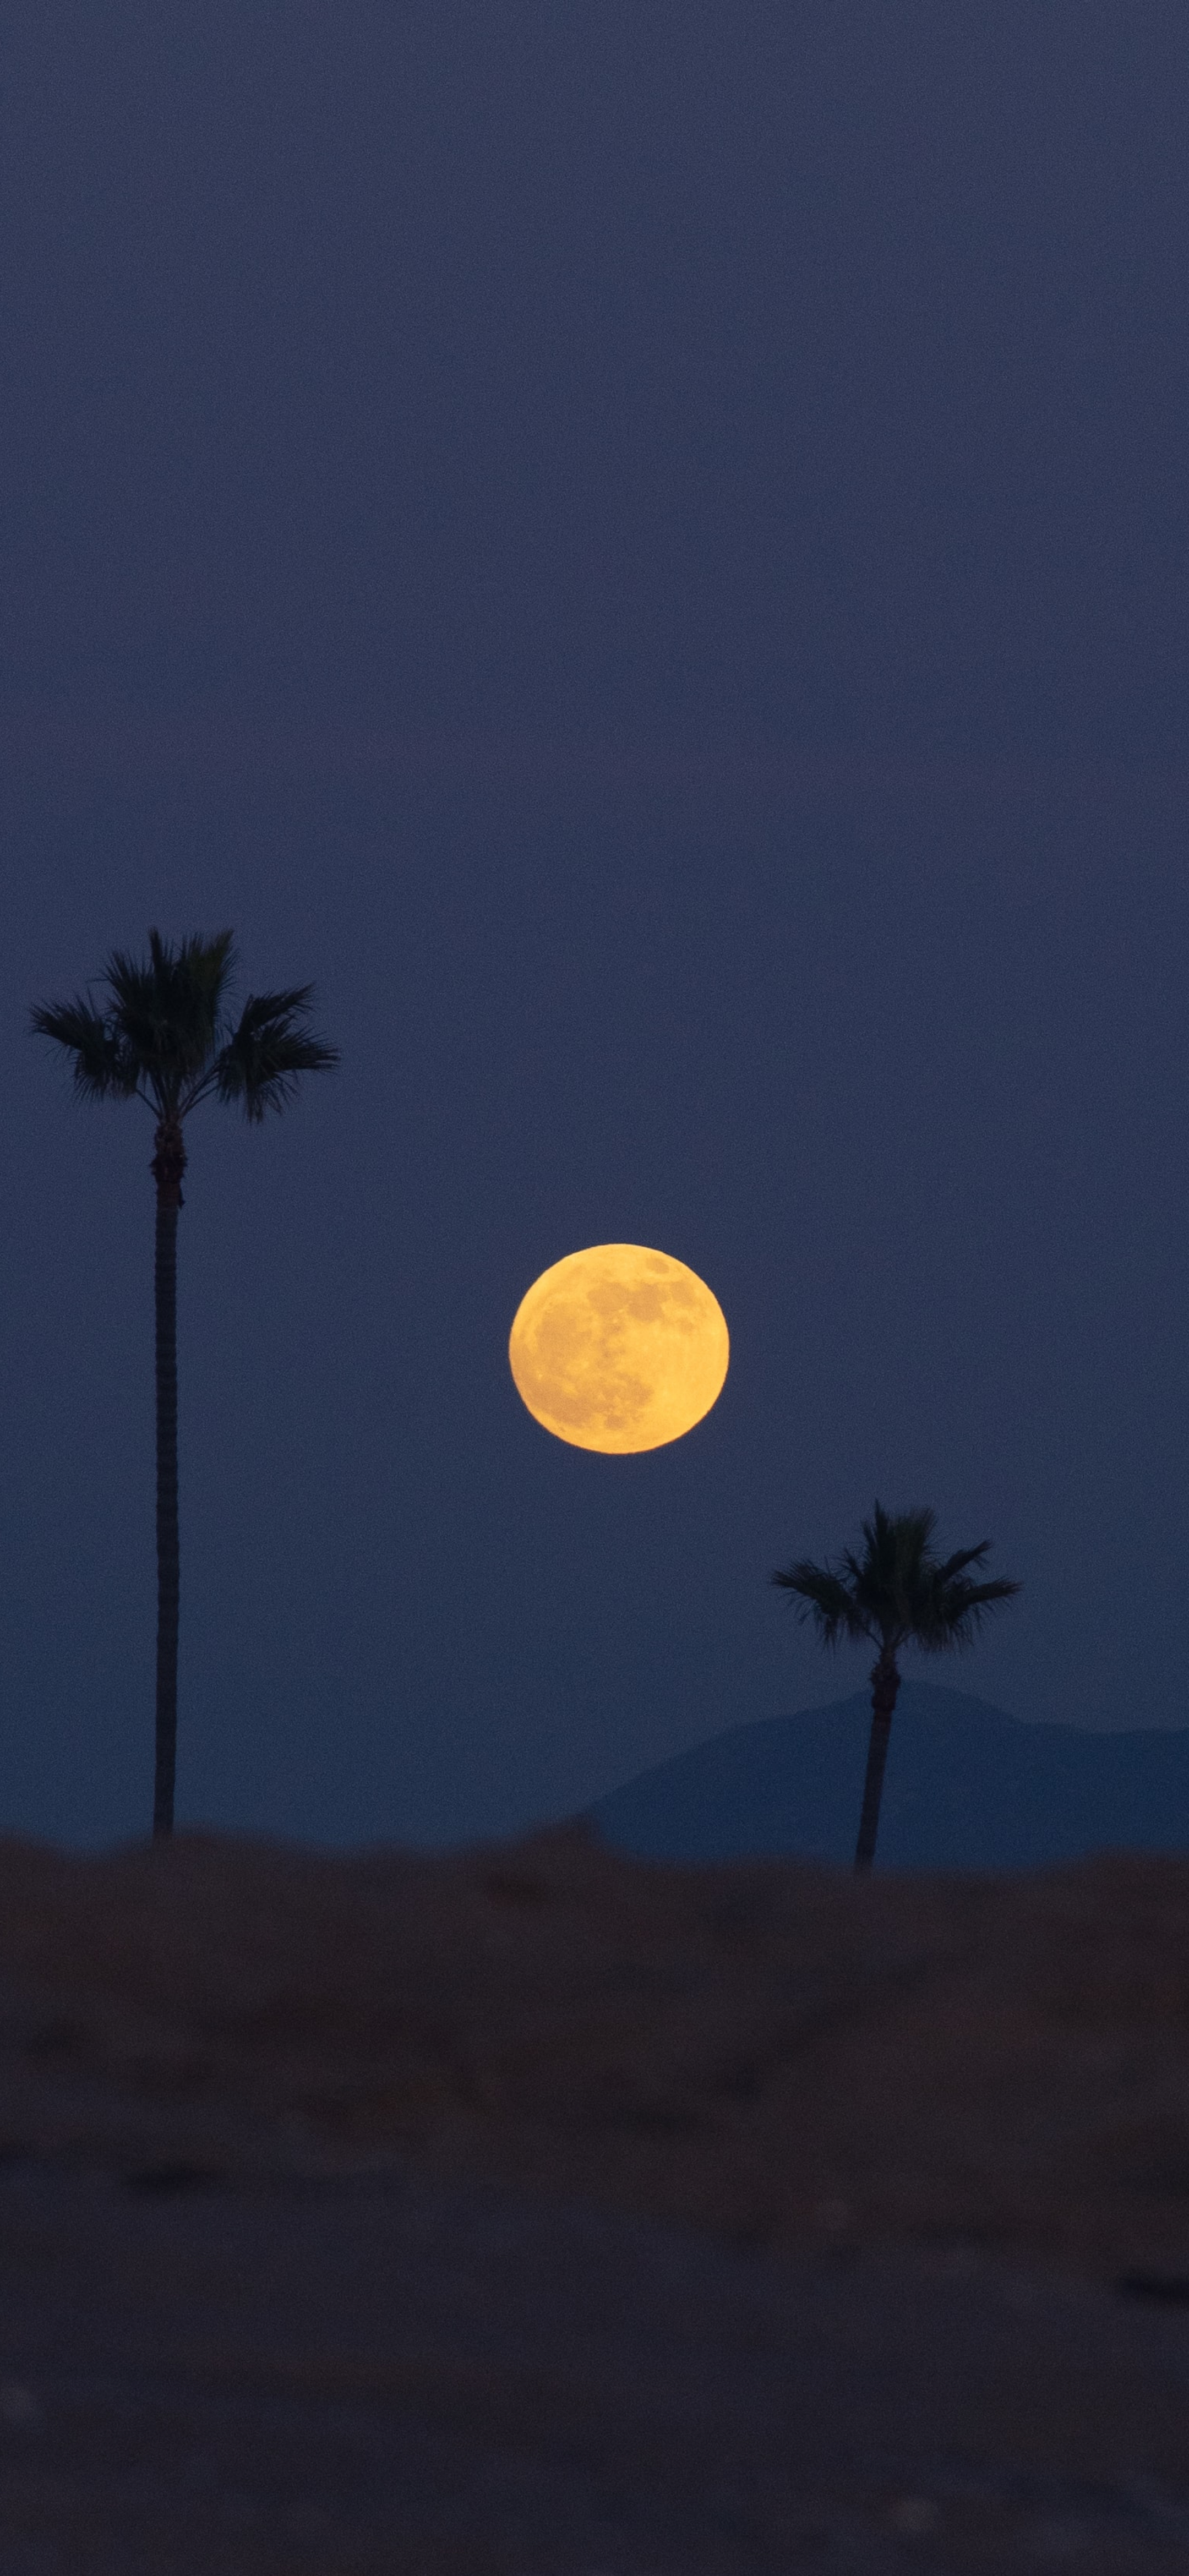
(619, 1348)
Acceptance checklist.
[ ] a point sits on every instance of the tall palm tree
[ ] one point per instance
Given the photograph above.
(897, 1593)
(164, 1037)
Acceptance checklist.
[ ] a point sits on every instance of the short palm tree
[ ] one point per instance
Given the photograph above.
(164, 1037)
(897, 1593)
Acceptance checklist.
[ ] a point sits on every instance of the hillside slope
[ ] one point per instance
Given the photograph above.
(966, 1787)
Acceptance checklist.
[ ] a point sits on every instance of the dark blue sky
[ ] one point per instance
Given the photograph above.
(645, 550)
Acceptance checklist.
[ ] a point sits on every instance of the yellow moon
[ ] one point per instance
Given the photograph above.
(619, 1348)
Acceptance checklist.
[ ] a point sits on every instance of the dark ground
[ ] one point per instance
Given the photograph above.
(408, 2379)
(529, 2211)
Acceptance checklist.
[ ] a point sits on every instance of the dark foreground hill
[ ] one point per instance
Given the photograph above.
(752, 2048)
(530, 2211)
(966, 1787)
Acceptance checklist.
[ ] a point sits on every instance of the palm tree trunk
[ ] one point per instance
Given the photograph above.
(169, 1162)
(885, 1683)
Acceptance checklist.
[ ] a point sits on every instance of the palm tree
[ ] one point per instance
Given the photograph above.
(164, 1037)
(897, 1593)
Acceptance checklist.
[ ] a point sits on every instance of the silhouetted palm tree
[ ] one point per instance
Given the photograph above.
(163, 1038)
(897, 1593)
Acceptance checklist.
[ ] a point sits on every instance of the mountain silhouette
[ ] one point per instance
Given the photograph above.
(966, 1787)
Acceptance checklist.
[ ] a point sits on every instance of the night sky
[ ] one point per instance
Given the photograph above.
(644, 550)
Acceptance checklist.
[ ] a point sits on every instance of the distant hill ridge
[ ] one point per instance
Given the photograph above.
(966, 1787)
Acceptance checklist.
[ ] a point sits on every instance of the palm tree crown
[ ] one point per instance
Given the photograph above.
(898, 1592)
(165, 1037)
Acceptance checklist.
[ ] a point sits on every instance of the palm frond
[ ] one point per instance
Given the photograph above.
(261, 1063)
(167, 1008)
(897, 1544)
(889, 1580)
(103, 1067)
(823, 1597)
(958, 1612)
(965, 1556)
